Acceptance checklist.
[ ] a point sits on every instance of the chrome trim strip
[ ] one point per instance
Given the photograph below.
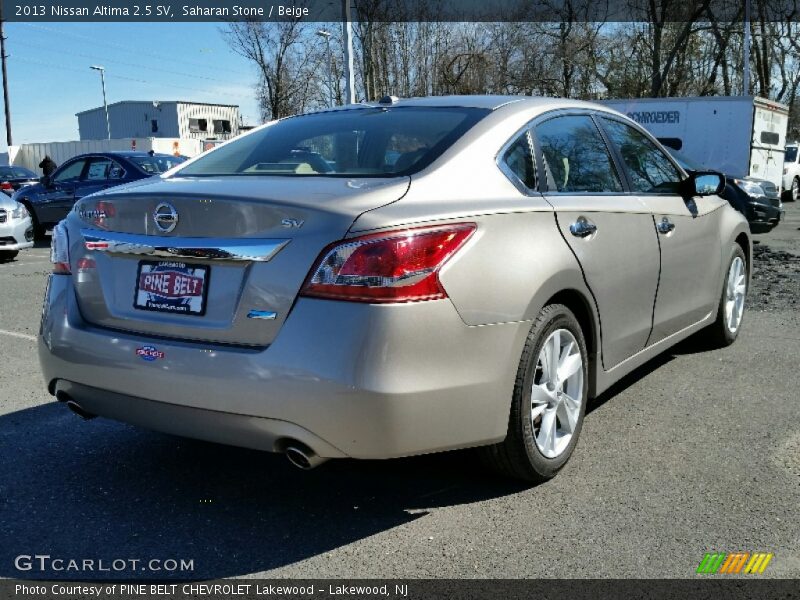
(237, 249)
(266, 315)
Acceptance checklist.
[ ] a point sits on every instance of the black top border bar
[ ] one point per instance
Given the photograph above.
(398, 10)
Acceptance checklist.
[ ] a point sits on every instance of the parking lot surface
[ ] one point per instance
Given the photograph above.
(698, 451)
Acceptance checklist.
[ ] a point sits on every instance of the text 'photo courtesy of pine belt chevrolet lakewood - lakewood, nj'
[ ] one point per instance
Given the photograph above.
(393, 278)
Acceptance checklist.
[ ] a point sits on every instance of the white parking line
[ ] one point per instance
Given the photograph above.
(24, 336)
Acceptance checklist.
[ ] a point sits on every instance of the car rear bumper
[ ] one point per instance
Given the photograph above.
(16, 234)
(346, 379)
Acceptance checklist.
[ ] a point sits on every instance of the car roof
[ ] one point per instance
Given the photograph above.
(487, 101)
(123, 154)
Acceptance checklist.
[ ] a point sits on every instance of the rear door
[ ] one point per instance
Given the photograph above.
(59, 196)
(609, 230)
(687, 230)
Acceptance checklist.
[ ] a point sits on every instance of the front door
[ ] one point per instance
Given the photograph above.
(687, 230)
(59, 196)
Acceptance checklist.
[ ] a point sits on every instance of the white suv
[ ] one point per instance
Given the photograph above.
(791, 173)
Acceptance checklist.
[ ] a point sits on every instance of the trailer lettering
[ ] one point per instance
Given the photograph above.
(656, 116)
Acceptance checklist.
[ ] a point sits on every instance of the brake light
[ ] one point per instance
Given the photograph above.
(394, 266)
(59, 250)
(6, 186)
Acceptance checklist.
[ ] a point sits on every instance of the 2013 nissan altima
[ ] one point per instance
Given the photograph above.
(394, 278)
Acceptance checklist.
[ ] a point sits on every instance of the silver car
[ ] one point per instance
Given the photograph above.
(16, 228)
(390, 279)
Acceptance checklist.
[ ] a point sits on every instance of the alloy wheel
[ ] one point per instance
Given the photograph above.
(557, 393)
(734, 294)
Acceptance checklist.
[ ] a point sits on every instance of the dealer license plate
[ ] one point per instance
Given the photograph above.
(171, 287)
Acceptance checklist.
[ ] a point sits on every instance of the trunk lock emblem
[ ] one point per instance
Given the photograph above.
(165, 217)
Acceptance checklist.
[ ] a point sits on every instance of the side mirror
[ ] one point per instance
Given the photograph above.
(703, 183)
(46, 181)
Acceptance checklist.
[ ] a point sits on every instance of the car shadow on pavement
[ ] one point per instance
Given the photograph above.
(103, 490)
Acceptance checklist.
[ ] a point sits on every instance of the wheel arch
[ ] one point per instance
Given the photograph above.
(583, 309)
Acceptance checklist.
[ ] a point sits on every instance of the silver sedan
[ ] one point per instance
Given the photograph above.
(16, 228)
(393, 278)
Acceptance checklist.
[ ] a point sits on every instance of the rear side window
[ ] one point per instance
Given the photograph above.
(518, 161)
(364, 142)
(791, 154)
(576, 156)
(649, 169)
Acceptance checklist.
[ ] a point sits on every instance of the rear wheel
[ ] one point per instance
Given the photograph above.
(730, 312)
(8, 254)
(549, 400)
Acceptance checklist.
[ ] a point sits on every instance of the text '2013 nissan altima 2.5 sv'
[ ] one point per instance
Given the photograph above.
(392, 279)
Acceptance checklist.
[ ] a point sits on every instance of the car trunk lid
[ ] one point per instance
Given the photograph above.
(214, 259)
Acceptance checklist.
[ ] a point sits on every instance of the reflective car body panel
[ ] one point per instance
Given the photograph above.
(266, 361)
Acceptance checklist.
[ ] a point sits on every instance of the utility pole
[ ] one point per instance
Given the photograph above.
(347, 44)
(5, 78)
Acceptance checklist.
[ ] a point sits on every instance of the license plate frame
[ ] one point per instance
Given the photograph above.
(176, 276)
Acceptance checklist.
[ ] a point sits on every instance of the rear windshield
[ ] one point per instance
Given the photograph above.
(364, 142)
(157, 164)
(791, 154)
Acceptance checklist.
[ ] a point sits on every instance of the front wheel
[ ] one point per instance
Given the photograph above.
(549, 400)
(794, 195)
(730, 311)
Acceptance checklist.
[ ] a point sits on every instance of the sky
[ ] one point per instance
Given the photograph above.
(50, 79)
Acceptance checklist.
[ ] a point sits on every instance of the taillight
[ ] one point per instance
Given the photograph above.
(395, 266)
(6, 186)
(59, 250)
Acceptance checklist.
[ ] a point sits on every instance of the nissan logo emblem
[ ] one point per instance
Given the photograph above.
(165, 217)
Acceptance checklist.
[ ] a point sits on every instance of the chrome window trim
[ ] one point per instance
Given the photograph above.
(506, 170)
(236, 249)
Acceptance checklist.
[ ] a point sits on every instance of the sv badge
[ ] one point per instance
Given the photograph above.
(292, 223)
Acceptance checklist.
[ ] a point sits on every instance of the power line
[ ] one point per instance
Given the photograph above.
(120, 62)
(117, 46)
(123, 77)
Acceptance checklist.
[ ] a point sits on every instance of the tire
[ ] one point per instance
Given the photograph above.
(721, 333)
(525, 453)
(8, 254)
(38, 231)
(794, 192)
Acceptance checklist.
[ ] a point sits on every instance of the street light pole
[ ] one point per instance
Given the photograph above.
(327, 35)
(347, 43)
(105, 102)
(746, 58)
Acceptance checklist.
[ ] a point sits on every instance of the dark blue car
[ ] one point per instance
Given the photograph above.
(52, 198)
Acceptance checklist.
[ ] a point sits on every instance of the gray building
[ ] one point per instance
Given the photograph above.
(160, 119)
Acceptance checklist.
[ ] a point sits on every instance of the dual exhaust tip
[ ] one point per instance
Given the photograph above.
(302, 457)
(74, 406)
(297, 453)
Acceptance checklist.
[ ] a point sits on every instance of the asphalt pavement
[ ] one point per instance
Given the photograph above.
(699, 451)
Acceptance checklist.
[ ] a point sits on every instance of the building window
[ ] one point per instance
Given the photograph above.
(222, 126)
(154, 125)
(197, 125)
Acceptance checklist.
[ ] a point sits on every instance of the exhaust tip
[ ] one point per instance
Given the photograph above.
(79, 410)
(303, 457)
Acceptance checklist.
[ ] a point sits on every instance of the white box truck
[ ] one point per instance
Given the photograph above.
(742, 136)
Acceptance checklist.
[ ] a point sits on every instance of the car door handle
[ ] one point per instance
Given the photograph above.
(665, 226)
(582, 228)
